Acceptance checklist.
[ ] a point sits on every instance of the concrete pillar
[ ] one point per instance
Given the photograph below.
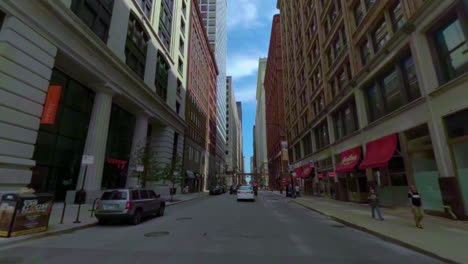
(118, 28)
(361, 107)
(139, 141)
(96, 141)
(331, 130)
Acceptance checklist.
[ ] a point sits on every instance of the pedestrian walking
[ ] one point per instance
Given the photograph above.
(374, 203)
(416, 205)
(298, 190)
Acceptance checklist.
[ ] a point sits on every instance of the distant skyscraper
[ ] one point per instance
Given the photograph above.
(239, 110)
(214, 18)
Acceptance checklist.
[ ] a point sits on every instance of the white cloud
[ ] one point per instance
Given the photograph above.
(245, 95)
(243, 13)
(239, 66)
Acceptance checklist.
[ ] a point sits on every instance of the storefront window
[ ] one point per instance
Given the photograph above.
(59, 147)
(457, 130)
(119, 143)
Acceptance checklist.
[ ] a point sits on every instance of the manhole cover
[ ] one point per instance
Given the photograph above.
(156, 234)
(184, 218)
(338, 226)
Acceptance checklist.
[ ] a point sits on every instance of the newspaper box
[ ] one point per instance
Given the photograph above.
(22, 214)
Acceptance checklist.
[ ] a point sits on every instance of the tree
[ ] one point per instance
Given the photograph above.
(172, 172)
(146, 156)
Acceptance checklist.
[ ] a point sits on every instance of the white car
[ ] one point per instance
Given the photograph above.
(245, 192)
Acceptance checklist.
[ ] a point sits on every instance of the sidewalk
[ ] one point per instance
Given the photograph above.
(68, 226)
(442, 238)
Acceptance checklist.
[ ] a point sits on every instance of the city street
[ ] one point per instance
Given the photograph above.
(218, 229)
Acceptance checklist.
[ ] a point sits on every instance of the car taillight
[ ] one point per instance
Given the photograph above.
(128, 205)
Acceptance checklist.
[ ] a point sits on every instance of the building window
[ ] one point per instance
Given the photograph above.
(297, 151)
(345, 120)
(397, 16)
(146, 6)
(369, 4)
(165, 22)
(396, 88)
(2, 17)
(181, 46)
(380, 35)
(307, 143)
(179, 86)
(96, 14)
(177, 107)
(180, 66)
(358, 14)
(365, 52)
(182, 27)
(321, 135)
(391, 85)
(162, 75)
(451, 46)
(135, 47)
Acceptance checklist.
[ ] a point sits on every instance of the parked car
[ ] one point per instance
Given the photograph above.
(245, 192)
(216, 190)
(129, 205)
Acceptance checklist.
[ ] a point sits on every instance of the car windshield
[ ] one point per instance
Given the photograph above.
(245, 188)
(114, 195)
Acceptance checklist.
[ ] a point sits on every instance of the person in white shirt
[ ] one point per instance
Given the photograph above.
(416, 205)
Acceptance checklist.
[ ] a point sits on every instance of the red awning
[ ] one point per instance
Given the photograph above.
(298, 172)
(349, 160)
(306, 170)
(379, 152)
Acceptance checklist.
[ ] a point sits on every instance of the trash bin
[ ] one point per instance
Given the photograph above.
(22, 214)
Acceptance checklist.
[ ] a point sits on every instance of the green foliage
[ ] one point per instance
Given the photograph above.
(154, 169)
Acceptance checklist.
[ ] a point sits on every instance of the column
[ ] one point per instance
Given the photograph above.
(138, 143)
(96, 141)
(361, 107)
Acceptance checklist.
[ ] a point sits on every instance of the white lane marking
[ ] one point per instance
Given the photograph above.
(301, 245)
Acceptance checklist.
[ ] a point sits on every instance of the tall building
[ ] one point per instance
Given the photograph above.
(214, 18)
(240, 139)
(253, 167)
(277, 154)
(260, 122)
(103, 80)
(231, 124)
(200, 103)
(239, 110)
(380, 98)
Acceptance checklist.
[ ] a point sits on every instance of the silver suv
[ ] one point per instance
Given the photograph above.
(129, 204)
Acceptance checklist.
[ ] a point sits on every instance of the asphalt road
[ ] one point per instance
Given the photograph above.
(218, 229)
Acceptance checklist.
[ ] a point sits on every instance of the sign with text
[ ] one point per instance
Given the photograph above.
(51, 105)
(140, 168)
(87, 160)
(32, 217)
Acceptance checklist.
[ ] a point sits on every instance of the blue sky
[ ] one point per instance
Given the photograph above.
(249, 27)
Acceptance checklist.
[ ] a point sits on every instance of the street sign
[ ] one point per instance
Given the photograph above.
(87, 160)
(140, 167)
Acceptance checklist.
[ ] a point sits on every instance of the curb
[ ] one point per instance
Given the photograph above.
(73, 229)
(191, 199)
(42, 235)
(380, 235)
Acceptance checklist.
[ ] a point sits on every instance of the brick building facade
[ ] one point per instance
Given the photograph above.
(201, 98)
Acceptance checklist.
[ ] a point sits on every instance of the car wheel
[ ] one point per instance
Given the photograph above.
(161, 210)
(136, 218)
(102, 222)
